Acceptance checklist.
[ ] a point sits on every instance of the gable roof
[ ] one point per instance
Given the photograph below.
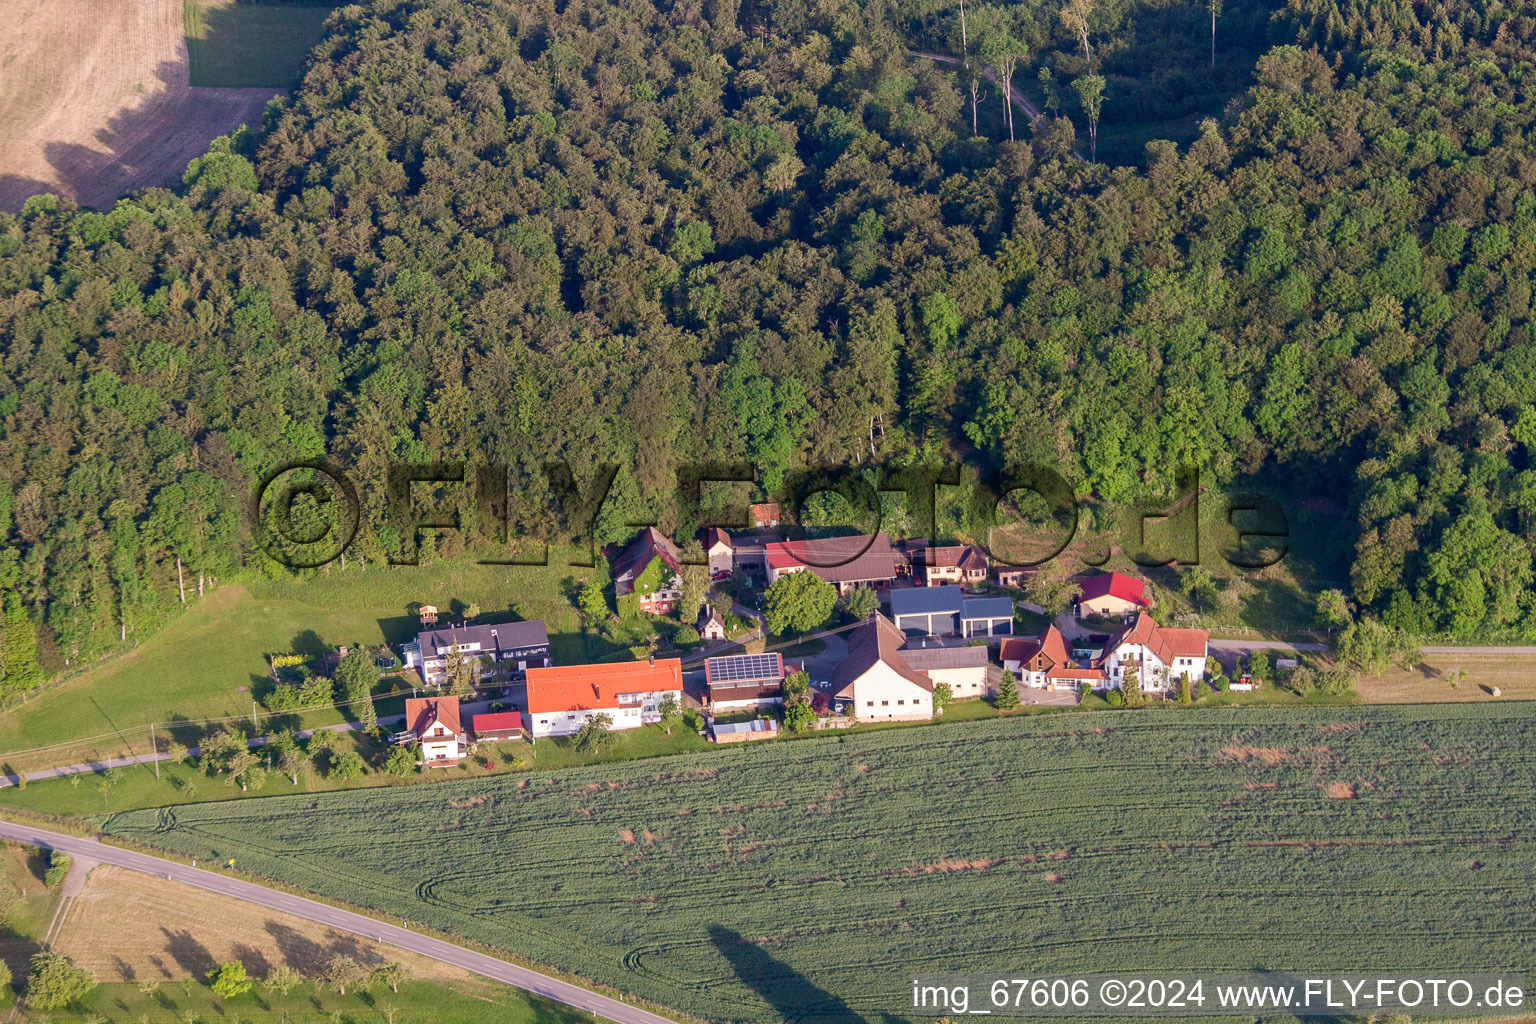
(714, 535)
(743, 669)
(926, 600)
(877, 640)
(924, 659)
(1019, 648)
(1165, 642)
(707, 614)
(837, 559)
(492, 636)
(1113, 584)
(422, 712)
(631, 562)
(581, 687)
(766, 514)
(499, 721)
(987, 608)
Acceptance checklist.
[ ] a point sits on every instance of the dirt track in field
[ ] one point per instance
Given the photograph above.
(95, 100)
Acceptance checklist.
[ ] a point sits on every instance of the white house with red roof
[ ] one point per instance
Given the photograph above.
(561, 699)
(1112, 594)
(434, 723)
(1154, 656)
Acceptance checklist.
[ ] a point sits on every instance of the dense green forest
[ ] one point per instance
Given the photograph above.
(515, 231)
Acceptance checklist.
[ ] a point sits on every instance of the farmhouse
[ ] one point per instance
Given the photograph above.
(745, 681)
(1111, 594)
(518, 645)
(845, 562)
(493, 727)
(1045, 663)
(560, 700)
(1154, 656)
(875, 680)
(646, 573)
(963, 669)
(946, 611)
(948, 563)
(434, 723)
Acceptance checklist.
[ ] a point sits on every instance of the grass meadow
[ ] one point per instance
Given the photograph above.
(206, 664)
(810, 880)
(234, 45)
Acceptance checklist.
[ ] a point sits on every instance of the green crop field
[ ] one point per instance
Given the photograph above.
(809, 881)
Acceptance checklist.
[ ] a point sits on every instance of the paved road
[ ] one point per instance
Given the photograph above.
(437, 949)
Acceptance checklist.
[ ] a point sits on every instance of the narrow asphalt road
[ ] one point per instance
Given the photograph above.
(357, 924)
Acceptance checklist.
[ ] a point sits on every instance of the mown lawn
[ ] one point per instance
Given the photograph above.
(809, 880)
(207, 663)
(235, 44)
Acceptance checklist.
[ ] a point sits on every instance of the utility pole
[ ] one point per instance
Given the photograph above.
(154, 751)
(255, 725)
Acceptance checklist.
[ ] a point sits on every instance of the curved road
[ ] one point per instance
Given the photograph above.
(321, 913)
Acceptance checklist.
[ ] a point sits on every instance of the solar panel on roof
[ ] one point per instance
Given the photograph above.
(743, 666)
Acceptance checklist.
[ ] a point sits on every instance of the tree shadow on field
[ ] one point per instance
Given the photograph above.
(190, 955)
(255, 960)
(298, 951)
(790, 993)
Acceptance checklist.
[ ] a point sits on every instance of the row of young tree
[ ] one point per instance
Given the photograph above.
(616, 232)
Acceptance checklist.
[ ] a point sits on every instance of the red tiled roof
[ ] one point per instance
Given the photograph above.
(1113, 584)
(714, 535)
(1019, 648)
(1167, 644)
(421, 712)
(500, 721)
(581, 687)
(765, 515)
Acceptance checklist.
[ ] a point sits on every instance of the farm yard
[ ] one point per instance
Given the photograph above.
(808, 881)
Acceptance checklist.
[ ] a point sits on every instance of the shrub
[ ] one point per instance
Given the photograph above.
(58, 867)
(1115, 698)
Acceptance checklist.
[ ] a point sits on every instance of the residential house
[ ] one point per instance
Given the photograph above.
(1154, 656)
(1011, 576)
(964, 669)
(1045, 663)
(946, 611)
(765, 516)
(744, 681)
(561, 699)
(498, 645)
(947, 563)
(711, 625)
(434, 723)
(658, 592)
(845, 562)
(1112, 594)
(874, 682)
(720, 552)
(496, 726)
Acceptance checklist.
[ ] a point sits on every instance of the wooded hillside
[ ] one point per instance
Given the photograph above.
(612, 231)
